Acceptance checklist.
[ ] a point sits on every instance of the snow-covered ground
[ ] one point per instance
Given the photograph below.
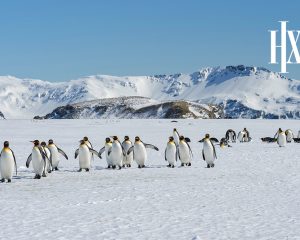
(252, 193)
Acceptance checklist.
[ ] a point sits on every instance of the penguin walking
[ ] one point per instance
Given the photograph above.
(106, 149)
(38, 158)
(289, 135)
(48, 167)
(209, 152)
(127, 159)
(230, 136)
(171, 152)
(116, 153)
(281, 138)
(139, 151)
(184, 152)
(244, 136)
(7, 163)
(55, 151)
(84, 153)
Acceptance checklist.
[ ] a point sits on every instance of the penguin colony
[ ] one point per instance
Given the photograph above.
(45, 158)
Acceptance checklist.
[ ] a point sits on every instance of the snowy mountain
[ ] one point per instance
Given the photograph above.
(242, 92)
(134, 107)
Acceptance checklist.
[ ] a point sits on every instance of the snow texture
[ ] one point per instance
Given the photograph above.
(251, 193)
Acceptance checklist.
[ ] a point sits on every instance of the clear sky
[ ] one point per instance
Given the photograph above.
(60, 40)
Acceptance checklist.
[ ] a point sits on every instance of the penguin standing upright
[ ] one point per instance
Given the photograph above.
(106, 148)
(230, 135)
(289, 135)
(55, 154)
(38, 158)
(244, 136)
(116, 153)
(184, 152)
(127, 159)
(171, 152)
(48, 167)
(89, 144)
(84, 153)
(281, 138)
(139, 151)
(7, 163)
(209, 152)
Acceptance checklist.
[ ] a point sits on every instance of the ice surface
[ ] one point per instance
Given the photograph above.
(252, 193)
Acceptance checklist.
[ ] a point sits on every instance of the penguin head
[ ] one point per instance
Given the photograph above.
(181, 138)
(85, 138)
(43, 144)
(35, 142)
(115, 138)
(126, 138)
(107, 140)
(6, 144)
(137, 139)
(245, 129)
(280, 130)
(82, 142)
(207, 136)
(50, 141)
(171, 139)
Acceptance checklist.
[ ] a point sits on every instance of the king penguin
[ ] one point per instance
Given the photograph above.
(38, 158)
(230, 136)
(55, 154)
(171, 152)
(7, 163)
(209, 152)
(281, 138)
(127, 159)
(106, 149)
(116, 153)
(48, 167)
(139, 151)
(289, 135)
(84, 152)
(184, 152)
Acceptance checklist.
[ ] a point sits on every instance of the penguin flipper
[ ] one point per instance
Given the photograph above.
(166, 154)
(93, 151)
(62, 153)
(202, 140)
(100, 152)
(178, 153)
(215, 154)
(203, 156)
(214, 139)
(130, 150)
(187, 139)
(15, 161)
(76, 153)
(151, 146)
(191, 152)
(28, 160)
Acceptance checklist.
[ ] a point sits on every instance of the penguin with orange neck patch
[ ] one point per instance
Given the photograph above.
(7, 163)
(209, 152)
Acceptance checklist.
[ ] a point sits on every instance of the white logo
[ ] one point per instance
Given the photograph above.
(284, 34)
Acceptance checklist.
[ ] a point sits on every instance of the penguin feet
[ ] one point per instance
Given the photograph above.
(2, 180)
(120, 167)
(189, 164)
(108, 166)
(56, 169)
(9, 180)
(182, 164)
(79, 170)
(212, 165)
(208, 166)
(143, 166)
(44, 174)
(129, 165)
(173, 166)
(49, 171)
(169, 165)
(113, 166)
(140, 166)
(37, 176)
(87, 169)
(123, 165)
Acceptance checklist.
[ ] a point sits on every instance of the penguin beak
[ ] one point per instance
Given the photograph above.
(31, 141)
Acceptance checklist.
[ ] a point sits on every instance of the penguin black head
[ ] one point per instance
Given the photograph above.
(43, 144)
(82, 142)
(6, 144)
(280, 130)
(85, 138)
(245, 129)
(126, 138)
(50, 141)
(171, 139)
(207, 135)
(181, 138)
(107, 140)
(36, 142)
(137, 139)
(115, 138)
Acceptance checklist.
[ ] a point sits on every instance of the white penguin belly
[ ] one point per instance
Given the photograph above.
(7, 165)
(241, 136)
(55, 156)
(176, 138)
(184, 153)
(84, 157)
(140, 154)
(208, 152)
(37, 161)
(171, 154)
(281, 140)
(289, 136)
(116, 155)
(127, 159)
(107, 148)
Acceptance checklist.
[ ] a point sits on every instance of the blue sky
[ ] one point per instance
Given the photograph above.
(60, 40)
